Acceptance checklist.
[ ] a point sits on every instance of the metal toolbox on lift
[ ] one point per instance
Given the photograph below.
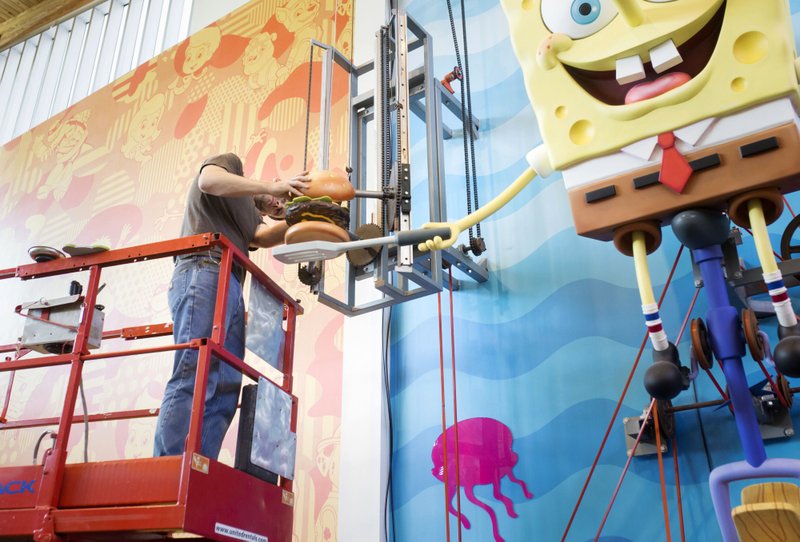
(51, 325)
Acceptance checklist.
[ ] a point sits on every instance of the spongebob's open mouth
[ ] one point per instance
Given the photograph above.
(695, 55)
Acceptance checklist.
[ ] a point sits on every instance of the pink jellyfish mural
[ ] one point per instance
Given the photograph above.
(484, 457)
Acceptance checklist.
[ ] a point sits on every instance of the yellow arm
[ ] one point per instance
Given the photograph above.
(763, 245)
(471, 219)
(642, 271)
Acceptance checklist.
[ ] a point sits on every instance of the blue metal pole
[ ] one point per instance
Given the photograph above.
(727, 342)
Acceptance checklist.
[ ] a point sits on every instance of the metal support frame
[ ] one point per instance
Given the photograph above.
(160, 496)
(403, 274)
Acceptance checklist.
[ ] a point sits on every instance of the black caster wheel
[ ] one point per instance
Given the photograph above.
(666, 419)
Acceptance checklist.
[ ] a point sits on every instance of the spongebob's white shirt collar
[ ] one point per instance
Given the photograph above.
(699, 135)
(689, 135)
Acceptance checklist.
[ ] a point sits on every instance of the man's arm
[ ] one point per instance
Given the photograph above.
(218, 181)
(269, 235)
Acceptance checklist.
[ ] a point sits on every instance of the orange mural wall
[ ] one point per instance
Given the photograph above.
(115, 168)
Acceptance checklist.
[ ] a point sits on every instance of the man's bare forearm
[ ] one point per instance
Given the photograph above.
(270, 235)
(217, 181)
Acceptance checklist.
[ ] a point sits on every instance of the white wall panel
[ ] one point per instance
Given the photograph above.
(52, 75)
(18, 85)
(47, 73)
(72, 60)
(152, 25)
(109, 46)
(130, 39)
(177, 23)
(9, 76)
(3, 60)
(32, 89)
(91, 53)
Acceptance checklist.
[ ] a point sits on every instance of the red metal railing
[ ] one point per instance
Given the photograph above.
(51, 477)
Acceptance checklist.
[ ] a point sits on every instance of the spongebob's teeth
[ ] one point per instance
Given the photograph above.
(630, 69)
(665, 56)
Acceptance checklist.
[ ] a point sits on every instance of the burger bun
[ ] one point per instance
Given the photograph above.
(315, 231)
(332, 183)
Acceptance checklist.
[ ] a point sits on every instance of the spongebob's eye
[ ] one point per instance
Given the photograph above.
(585, 12)
(577, 18)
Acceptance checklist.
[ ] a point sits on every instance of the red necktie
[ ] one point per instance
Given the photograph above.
(675, 170)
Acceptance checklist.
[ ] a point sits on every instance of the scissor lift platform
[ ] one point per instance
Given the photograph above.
(160, 498)
(185, 496)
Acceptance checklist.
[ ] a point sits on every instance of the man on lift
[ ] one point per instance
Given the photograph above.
(220, 200)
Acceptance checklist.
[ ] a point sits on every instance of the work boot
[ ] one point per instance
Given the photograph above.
(666, 378)
(787, 352)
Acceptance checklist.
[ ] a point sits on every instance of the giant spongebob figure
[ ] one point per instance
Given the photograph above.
(681, 112)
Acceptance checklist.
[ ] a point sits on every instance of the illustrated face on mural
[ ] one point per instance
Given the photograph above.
(604, 73)
(200, 49)
(297, 14)
(72, 135)
(144, 127)
(326, 457)
(139, 439)
(258, 53)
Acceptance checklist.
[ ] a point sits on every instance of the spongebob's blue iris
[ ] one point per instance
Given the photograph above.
(585, 11)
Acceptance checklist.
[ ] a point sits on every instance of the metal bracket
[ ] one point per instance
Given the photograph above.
(402, 274)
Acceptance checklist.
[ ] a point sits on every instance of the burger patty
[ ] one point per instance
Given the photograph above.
(318, 210)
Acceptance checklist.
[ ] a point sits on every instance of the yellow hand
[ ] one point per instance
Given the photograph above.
(471, 219)
(437, 243)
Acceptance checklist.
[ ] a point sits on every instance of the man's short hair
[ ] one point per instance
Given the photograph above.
(267, 205)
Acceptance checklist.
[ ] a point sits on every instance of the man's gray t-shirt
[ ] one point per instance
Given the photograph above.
(236, 218)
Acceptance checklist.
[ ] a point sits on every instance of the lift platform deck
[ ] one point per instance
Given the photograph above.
(163, 498)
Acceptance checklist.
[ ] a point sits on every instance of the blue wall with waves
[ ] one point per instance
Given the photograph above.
(546, 345)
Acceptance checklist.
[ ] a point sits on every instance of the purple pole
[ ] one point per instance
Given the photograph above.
(727, 342)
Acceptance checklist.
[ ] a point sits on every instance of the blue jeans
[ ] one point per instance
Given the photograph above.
(192, 294)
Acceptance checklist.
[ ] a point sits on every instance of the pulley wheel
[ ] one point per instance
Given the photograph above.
(789, 250)
(786, 389)
(309, 274)
(700, 347)
(666, 418)
(365, 256)
(750, 324)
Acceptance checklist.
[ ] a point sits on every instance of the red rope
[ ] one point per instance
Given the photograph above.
(663, 482)
(675, 438)
(455, 402)
(444, 422)
(786, 202)
(688, 315)
(716, 384)
(678, 485)
(624, 471)
(619, 405)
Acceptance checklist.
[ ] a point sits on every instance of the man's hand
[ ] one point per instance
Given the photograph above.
(437, 243)
(296, 186)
